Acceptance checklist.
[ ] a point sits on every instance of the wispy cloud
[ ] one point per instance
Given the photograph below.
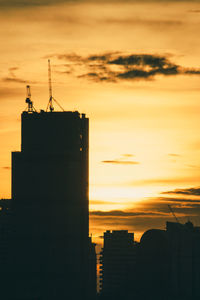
(13, 78)
(121, 213)
(128, 155)
(6, 168)
(34, 3)
(190, 191)
(174, 155)
(115, 66)
(152, 213)
(30, 3)
(178, 200)
(144, 22)
(194, 11)
(120, 162)
(163, 181)
(17, 80)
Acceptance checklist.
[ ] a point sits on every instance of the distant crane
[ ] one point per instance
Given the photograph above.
(171, 210)
(28, 100)
(51, 98)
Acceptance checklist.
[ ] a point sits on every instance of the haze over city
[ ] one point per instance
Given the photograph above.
(134, 68)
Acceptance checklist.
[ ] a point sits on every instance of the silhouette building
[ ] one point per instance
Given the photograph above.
(6, 236)
(92, 271)
(168, 263)
(184, 243)
(117, 260)
(50, 206)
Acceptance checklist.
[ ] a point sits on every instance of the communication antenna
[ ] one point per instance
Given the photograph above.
(50, 104)
(30, 107)
(171, 210)
(51, 98)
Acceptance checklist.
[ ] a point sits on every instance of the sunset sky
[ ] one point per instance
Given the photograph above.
(134, 68)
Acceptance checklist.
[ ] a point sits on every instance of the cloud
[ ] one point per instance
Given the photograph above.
(120, 162)
(174, 155)
(17, 80)
(96, 77)
(178, 200)
(34, 3)
(148, 214)
(30, 3)
(13, 78)
(162, 181)
(6, 168)
(116, 66)
(190, 191)
(128, 155)
(120, 213)
(100, 202)
(194, 11)
(144, 22)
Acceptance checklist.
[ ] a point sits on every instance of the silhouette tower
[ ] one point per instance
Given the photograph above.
(50, 204)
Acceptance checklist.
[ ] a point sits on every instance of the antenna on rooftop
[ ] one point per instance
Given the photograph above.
(30, 107)
(171, 210)
(50, 104)
(51, 98)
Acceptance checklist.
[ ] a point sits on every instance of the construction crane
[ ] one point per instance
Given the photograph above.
(30, 108)
(51, 98)
(171, 210)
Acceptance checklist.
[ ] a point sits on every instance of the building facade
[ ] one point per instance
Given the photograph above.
(50, 205)
(168, 263)
(117, 260)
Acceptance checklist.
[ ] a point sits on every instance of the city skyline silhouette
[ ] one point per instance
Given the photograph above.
(133, 68)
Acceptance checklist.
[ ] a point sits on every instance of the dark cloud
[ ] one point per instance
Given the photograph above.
(190, 191)
(194, 11)
(69, 57)
(120, 162)
(120, 213)
(11, 4)
(113, 67)
(98, 77)
(31, 3)
(151, 213)
(14, 79)
(144, 22)
(137, 60)
(178, 200)
(192, 72)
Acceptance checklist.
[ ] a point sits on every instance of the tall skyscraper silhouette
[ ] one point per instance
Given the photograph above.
(50, 204)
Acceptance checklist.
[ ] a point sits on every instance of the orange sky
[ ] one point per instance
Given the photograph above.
(134, 68)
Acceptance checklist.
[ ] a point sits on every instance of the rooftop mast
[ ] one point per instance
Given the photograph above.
(50, 103)
(171, 210)
(51, 98)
